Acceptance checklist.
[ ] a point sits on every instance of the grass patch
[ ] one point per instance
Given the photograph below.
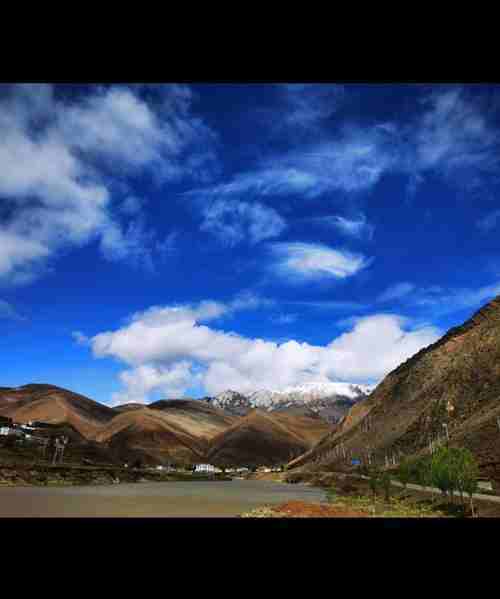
(400, 506)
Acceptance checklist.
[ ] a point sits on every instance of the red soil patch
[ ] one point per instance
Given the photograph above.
(297, 509)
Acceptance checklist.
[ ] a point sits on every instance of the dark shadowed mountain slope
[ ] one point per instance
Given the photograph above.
(263, 438)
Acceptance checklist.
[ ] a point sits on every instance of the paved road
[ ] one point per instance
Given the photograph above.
(493, 498)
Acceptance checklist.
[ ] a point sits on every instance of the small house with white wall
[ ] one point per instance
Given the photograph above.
(205, 468)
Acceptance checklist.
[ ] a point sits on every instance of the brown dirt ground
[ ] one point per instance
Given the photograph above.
(301, 509)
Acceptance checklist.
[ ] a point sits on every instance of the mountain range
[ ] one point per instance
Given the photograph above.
(448, 392)
(330, 400)
(175, 430)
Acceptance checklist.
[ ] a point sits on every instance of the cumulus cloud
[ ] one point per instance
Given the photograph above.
(139, 382)
(306, 261)
(170, 348)
(59, 160)
(236, 221)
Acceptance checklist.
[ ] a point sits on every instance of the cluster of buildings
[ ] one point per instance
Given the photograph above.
(214, 469)
(21, 431)
(211, 469)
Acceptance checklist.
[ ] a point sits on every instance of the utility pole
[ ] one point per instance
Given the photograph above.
(445, 426)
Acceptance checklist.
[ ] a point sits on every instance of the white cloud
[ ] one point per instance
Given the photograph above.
(18, 253)
(139, 382)
(452, 136)
(454, 133)
(235, 221)
(308, 104)
(305, 261)
(375, 346)
(264, 181)
(58, 160)
(169, 346)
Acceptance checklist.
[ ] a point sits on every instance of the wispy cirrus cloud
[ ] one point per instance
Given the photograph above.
(307, 104)
(308, 261)
(452, 135)
(357, 226)
(397, 291)
(60, 158)
(235, 221)
(440, 300)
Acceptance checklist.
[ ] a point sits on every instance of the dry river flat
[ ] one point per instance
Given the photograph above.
(164, 499)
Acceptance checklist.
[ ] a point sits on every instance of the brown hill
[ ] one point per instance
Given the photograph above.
(129, 406)
(453, 382)
(197, 417)
(151, 433)
(48, 403)
(263, 438)
(167, 430)
(176, 430)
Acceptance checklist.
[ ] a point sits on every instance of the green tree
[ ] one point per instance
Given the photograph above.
(465, 471)
(385, 482)
(444, 471)
(405, 472)
(374, 481)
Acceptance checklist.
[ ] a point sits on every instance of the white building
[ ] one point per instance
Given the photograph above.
(206, 468)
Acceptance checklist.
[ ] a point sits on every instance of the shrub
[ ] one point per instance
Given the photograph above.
(454, 469)
(374, 481)
(405, 472)
(385, 482)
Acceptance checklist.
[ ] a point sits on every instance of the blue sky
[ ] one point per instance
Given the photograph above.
(178, 240)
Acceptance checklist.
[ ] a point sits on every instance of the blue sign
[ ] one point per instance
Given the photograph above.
(355, 462)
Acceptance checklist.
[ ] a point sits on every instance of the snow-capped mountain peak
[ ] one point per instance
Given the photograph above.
(327, 399)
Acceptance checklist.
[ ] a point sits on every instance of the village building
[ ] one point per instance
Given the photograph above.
(206, 468)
